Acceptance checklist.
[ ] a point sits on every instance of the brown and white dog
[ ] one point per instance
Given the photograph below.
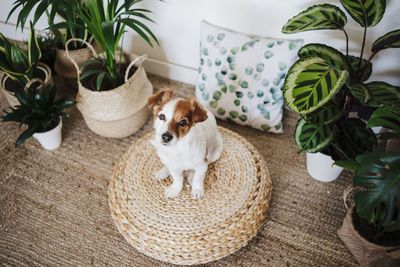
(186, 139)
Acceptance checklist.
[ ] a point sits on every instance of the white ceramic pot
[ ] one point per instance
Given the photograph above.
(50, 140)
(320, 167)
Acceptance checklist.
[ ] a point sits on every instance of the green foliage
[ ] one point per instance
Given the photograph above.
(47, 47)
(38, 109)
(107, 25)
(17, 63)
(71, 26)
(318, 17)
(324, 86)
(379, 173)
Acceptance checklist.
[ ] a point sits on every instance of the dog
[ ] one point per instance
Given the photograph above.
(186, 139)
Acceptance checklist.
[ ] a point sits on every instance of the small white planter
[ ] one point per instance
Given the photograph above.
(50, 140)
(320, 167)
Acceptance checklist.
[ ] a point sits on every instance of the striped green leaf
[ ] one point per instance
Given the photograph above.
(310, 83)
(388, 117)
(367, 70)
(329, 54)
(365, 12)
(34, 53)
(312, 137)
(326, 114)
(356, 138)
(360, 92)
(317, 17)
(383, 94)
(391, 39)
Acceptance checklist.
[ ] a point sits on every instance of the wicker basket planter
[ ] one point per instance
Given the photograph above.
(12, 100)
(63, 64)
(119, 112)
(365, 252)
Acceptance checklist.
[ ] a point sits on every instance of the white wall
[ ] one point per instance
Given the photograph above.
(178, 29)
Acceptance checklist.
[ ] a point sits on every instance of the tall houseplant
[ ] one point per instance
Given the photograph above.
(111, 97)
(20, 65)
(326, 87)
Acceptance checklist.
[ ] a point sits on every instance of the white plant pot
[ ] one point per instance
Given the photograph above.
(320, 167)
(50, 140)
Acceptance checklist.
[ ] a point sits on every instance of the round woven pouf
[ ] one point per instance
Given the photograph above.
(183, 230)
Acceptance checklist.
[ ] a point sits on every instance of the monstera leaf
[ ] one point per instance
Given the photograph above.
(318, 17)
(365, 12)
(389, 40)
(327, 53)
(313, 137)
(310, 83)
(379, 174)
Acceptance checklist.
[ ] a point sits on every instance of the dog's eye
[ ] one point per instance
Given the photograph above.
(161, 117)
(182, 123)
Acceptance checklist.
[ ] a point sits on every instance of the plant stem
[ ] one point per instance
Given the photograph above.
(347, 42)
(362, 50)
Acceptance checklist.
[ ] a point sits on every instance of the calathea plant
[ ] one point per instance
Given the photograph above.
(326, 86)
(17, 63)
(38, 109)
(71, 25)
(107, 22)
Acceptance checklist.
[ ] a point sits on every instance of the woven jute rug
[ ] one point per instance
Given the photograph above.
(183, 230)
(54, 204)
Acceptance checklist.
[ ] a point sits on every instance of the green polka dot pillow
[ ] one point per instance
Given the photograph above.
(241, 76)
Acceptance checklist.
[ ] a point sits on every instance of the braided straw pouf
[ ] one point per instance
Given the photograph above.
(183, 230)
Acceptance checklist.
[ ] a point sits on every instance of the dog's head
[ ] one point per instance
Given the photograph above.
(173, 118)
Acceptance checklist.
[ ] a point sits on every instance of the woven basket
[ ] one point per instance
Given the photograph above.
(63, 64)
(119, 112)
(183, 230)
(365, 252)
(12, 100)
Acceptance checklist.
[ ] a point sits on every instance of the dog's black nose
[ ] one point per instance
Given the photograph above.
(166, 137)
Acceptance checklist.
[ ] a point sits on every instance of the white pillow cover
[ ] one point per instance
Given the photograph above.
(241, 76)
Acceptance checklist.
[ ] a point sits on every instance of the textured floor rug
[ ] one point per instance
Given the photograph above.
(54, 207)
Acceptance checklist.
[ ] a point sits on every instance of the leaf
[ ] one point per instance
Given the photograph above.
(328, 113)
(107, 28)
(356, 138)
(379, 173)
(89, 73)
(19, 62)
(351, 165)
(388, 117)
(310, 83)
(389, 40)
(317, 17)
(25, 136)
(367, 70)
(34, 53)
(327, 53)
(99, 80)
(365, 12)
(312, 137)
(382, 94)
(40, 9)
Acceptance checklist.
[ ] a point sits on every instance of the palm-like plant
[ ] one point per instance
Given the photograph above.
(68, 10)
(38, 109)
(107, 22)
(324, 86)
(17, 63)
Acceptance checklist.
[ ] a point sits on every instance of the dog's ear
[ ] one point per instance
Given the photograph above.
(159, 98)
(199, 113)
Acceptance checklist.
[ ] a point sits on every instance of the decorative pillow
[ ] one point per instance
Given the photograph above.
(241, 76)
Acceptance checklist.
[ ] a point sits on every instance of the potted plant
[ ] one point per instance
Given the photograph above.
(70, 26)
(40, 112)
(112, 95)
(329, 90)
(20, 66)
(371, 228)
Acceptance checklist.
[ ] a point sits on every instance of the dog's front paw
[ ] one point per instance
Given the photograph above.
(172, 191)
(197, 192)
(162, 173)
